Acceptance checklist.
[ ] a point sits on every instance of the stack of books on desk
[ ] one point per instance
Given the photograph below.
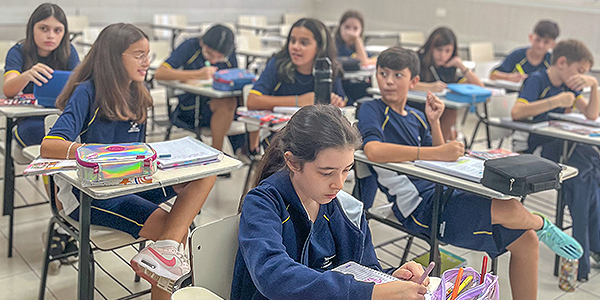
(466, 167)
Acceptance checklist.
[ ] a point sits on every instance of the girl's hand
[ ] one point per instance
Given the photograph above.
(438, 86)
(306, 99)
(206, 72)
(39, 74)
(399, 290)
(411, 271)
(455, 62)
(337, 100)
(434, 107)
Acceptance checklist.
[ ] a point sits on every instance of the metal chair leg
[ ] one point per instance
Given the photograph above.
(46, 263)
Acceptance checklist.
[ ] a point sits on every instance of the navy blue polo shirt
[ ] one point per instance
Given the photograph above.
(519, 57)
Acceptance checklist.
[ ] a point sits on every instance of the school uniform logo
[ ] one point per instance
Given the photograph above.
(133, 127)
(328, 261)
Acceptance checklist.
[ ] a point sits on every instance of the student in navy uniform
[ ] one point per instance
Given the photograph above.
(288, 80)
(200, 58)
(45, 48)
(558, 90)
(440, 53)
(296, 224)
(394, 132)
(524, 61)
(349, 43)
(105, 101)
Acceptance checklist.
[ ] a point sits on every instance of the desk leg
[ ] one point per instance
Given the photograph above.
(434, 252)
(9, 182)
(487, 126)
(85, 288)
(560, 203)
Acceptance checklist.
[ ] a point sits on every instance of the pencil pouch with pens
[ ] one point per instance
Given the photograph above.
(100, 165)
(488, 290)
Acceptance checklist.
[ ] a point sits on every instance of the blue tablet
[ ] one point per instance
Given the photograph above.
(47, 93)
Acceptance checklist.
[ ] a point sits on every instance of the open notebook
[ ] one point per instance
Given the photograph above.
(466, 167)
(184, 151)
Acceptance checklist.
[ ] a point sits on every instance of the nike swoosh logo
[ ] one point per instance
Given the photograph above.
(168, 262)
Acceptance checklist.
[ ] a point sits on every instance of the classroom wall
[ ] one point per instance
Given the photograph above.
(15, 13)
(505, 22)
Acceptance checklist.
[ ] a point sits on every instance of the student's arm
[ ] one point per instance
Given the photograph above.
(528, 105)
(589, 109)
(468, 75)
(436, 86)
(434, 107)
(361, 53)
(505, 70)
(15, 82)
(257, 101)
(167, 73)
(514, 76)
(274, 273)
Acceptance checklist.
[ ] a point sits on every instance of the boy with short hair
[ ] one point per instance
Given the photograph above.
(524, 61)
(394, 132)
(558, 90)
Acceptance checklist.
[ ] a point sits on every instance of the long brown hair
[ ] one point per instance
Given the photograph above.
(325, 48)
(347, 15)
(440, 37)
(116, 98)
(59, 57)
(311, 129)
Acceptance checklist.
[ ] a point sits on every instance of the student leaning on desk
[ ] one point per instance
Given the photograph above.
(394, 132)
(558, 90)
(46, 48)
(297, 224)
(105, 102)
(524, 61)
(200, 58)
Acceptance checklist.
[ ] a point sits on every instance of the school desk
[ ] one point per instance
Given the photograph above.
(162, 178)
(451, 182)
(509, 86)
(13, 114)
(254, 54)
(421, 97)
(176, 30)
(560, 134)
(258, 29)
(381, 34)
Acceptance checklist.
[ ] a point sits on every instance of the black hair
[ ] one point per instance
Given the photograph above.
(325, 48)
(573, 50)
(59, 57)
(398, 58)
(547, 29)
(219, 38)
(311, 129)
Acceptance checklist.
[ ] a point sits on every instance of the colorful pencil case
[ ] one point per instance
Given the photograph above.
(488, 290)
(100, 164)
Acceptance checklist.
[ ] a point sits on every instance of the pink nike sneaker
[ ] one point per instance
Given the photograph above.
(161, 266)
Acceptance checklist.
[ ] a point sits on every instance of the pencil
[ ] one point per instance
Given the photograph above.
(435, 74)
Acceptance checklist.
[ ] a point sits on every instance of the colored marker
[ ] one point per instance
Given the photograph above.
(520, 69)
(164, 156)
(207, 63)
(427, 271)
(463, 285)
(483, 269)
(457, 284)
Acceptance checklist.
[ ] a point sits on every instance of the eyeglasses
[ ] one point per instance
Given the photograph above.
(142, 58)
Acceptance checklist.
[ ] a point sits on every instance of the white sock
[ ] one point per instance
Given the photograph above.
(165, 243)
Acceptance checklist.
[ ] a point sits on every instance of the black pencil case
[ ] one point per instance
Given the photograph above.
(521, 175)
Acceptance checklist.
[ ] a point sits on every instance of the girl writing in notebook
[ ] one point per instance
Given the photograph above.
(296, 224)
(46, 48)
(105, 101)
(439, 66)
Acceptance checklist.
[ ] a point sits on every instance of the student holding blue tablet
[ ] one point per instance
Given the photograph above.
(558, 90)
(297, 225)
(394, 132)
(200, 58)
(106, 102)
(46, 48)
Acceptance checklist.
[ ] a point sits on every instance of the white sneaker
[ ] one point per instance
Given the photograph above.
(161, 266)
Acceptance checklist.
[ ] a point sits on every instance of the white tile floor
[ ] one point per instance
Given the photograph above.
(20, 275)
